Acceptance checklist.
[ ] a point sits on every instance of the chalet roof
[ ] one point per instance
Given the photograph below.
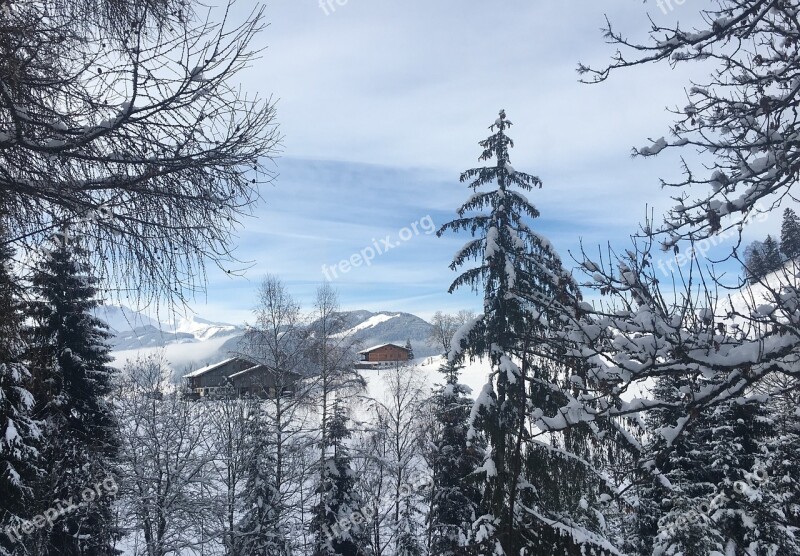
(208, 369)
(369, 350)
(256, 368)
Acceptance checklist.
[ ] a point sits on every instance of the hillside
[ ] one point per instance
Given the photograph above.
(191, 343)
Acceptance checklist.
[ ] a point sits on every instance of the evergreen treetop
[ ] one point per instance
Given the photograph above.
(70, 359)
(790, 234)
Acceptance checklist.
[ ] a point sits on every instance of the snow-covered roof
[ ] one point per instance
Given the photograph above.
(257, 367)
(248, 370)
(204, 370)
(382, 346)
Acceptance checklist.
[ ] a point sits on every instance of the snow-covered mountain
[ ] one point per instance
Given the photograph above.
(193, 342)
(122, 319)
(371, 329)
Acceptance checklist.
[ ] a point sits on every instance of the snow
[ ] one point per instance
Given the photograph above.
(488, 467)
(201, 329)
(373, 348)
(462, 334)
(654, 149)
(122, 319)
(474, 376)
(369, 323)
(491, 243)
(204, 370)
(11, 436)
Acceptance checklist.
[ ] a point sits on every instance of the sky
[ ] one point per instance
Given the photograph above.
(382, 103)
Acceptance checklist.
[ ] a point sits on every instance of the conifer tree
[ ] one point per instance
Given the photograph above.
(410, 350)
(260, 530)
(70, 361)
(521, 277)
(754, 261)
(456, 495)
(19, 433)
(408, 543)
(339, 522)
(781, 474)
(772, 255)
(790, 234)
(673, 512)
(747, 504)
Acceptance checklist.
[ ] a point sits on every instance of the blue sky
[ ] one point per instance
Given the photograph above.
(382, 104)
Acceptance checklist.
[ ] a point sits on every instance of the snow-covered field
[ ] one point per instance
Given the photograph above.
(473, 375)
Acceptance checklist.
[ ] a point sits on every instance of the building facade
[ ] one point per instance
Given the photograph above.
(385, 354)
(242, 376)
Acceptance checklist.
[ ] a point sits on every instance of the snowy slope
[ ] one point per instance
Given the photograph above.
(122, 319)
(369, 323)
(751, 296)
(372, 329)
(202, 329)
(474, 375)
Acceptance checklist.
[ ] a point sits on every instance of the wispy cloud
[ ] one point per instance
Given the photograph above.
(383, 103)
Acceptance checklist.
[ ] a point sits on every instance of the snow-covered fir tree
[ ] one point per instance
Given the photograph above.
(260, 530)
(70, 359)
(408, 542)
(747, 504)
(678, 483)
(339, 520)
(772, 255)
(790, 234)
(456, 494)
(19, 433)
(781, 474)
(523, 284)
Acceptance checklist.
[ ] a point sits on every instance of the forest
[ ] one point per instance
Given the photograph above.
(624, 412)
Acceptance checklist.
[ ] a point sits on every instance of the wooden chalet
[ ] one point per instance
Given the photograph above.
(243, 376)
(384, 355)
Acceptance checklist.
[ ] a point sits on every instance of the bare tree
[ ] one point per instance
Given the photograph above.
(121, 122)
(230, 438)
(444, 328)
(280, 341)
(395, 465)
(743, 114)
(333, 362)
(165, 464)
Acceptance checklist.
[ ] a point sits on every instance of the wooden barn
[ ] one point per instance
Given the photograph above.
(243, 376)
(385, 354)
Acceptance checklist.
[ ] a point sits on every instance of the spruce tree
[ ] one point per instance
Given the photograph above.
(781, 474)
(70, 360)
(408, 543)
(260, 528)
(523, 283)
(754, 262)
(19, 433)
(771, 255)
(410, 350)
(747, 504)
(673, 511)
(456, 494)
(790, 234)
(339, 519)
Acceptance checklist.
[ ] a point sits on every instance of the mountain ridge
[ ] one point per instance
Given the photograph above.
(194, 342)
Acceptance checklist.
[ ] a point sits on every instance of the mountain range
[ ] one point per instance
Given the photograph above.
(193, 342)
